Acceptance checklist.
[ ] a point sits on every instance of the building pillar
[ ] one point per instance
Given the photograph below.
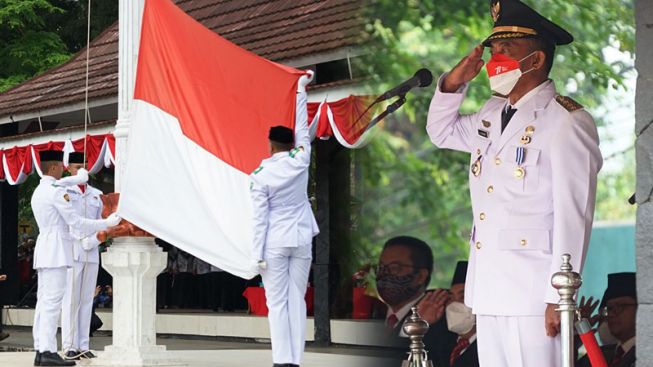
(322, 317)
(9, 243)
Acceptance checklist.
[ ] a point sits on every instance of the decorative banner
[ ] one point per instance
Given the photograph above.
(19, 162)
(347, 119)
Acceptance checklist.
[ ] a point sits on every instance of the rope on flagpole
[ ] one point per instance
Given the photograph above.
(75, 306)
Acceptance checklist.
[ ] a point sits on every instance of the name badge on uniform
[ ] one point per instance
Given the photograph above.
(483, 133)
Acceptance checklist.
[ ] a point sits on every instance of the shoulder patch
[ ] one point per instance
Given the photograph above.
(568, 103)
(257, 170)
(293, 152)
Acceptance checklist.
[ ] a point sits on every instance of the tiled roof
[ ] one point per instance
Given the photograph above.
(275, 29)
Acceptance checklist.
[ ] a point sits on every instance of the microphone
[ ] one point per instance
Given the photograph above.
(422, 78)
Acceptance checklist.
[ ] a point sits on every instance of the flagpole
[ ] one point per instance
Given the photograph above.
(130, 15)
(134, 262)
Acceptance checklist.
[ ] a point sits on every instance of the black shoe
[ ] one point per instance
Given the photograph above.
(37, 359)
(280, 365)
(71, 355)
(88, 354)
(54, 359)
(3, 335)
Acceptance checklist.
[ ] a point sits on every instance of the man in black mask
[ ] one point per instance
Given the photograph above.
(402, 277)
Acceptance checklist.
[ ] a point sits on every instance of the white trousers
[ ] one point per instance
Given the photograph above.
(516, 341)
(285, 281)
(49, 294)
(78, 306)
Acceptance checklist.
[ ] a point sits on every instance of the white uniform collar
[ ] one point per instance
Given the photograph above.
(526, 97)
(47, 178)
(279, 155)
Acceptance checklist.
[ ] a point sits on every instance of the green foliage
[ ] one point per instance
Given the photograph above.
(25, 191)
(410, 187)
(27, 47)
(37, 35)
(614, 188)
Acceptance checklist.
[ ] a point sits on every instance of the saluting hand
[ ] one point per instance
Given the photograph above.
(551, 320)
(431, 307)
(466, 70)
(586, 309)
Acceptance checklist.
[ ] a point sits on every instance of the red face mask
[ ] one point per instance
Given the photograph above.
(504, 72)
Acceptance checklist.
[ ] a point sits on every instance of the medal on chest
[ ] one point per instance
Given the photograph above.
(520, 153)
(476, 166)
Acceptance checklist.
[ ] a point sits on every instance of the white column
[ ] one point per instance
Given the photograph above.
(134, 262)
(130, 15)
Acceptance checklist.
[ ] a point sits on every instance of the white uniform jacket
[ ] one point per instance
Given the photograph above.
(54, 215)
(282, 213)
(532, 189)
(93, 210)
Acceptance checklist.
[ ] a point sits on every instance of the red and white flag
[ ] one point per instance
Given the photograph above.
(202, 110)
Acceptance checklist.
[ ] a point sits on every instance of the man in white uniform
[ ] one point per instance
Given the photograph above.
(533, 168)
(82, 276)
(284, 227)
(54, 216)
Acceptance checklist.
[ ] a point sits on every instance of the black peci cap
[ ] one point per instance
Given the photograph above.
(76, 157)
(51, 156)
(281, 134)
(460, 274)
(620, 285)
(514, 19)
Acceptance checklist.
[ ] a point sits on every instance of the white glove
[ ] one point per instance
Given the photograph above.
(304, 80)
(257, 266)
(88, 243)
(262, 264)
(79, 179)
(112, 220)
(82, 175)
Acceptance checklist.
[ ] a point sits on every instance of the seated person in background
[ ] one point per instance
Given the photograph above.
(3, 334)
(402, 276)
(619, 307)
(103, 297)
(461, 321)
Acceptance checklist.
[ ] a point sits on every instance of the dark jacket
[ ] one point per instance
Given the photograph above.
(469, 358)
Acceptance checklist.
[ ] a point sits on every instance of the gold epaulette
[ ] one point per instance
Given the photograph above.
(568, 103)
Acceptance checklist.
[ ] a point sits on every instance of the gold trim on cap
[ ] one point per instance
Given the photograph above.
(514, 29)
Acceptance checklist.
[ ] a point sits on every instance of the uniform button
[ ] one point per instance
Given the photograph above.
(497, 161)
(490, 189)
(523, 242)
(482, 216)
(478, 151)
(478, 245)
